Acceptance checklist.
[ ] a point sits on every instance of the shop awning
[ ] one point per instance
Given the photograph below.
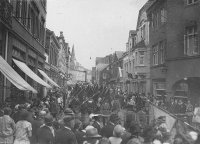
(30, 73)
(14, 77)
(48, 78)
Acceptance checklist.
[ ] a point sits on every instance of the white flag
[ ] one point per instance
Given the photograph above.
(157, 112)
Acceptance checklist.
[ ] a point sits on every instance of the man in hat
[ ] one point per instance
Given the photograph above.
(107, 130)
(92, 136)
(46, 134)
(96, 123)
(65, 134)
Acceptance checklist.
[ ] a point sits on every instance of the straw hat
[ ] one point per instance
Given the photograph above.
(92, 133)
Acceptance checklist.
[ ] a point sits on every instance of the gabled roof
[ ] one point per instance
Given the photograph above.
(101, 66)
(143, 9)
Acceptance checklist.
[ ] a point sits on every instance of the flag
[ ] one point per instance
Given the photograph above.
(120, 72)
(196, 117)
(158, 112)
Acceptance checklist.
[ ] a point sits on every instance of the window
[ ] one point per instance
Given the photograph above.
(141, 58)
(159, 89)
(162, 52)
(18, 9)
(32, 21)
(143, 32)
(192, 1)
(191, 41)
(163, 16)
(29, 19)
(24, 12)
(155, 55)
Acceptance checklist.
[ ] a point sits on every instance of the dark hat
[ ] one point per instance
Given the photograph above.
(92, 133)
(24, 114)
(68, 111)
(114, 118)
(48, 119)
(68, 118)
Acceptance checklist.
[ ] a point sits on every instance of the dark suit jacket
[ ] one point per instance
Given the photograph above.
(107, 130)
(45, 136)
(35, 127)
(65, 136)
(97, 126)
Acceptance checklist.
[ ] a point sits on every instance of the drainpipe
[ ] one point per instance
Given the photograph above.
(6, 59)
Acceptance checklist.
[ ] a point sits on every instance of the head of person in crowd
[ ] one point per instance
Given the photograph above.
(24, 115)
(92, 133)
(178, 140)
(78, 125)
(42, 114)
(69, 112)
(68, 121)
(134, 129)
(114, 118)
(7, 111)
(118, 131)
(48, 120)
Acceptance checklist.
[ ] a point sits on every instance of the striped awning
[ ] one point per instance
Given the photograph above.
(30, 73)
(14, 77)
(48, 78)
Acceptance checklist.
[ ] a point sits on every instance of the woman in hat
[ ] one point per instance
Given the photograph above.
(92, 136)
(23, 129)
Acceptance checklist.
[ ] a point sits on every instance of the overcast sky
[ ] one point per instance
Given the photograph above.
(95, 27)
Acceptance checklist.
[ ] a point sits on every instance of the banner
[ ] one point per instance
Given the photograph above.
(196, 117)
(157, 112)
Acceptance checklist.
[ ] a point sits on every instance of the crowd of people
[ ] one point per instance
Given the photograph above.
(96, 120)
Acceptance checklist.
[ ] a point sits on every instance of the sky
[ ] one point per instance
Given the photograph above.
(96, 28)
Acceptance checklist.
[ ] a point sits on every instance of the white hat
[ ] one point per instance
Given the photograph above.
(156, 142)
(193, 135)
(89, 127)
(93, 115)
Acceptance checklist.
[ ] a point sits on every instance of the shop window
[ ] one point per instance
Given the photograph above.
(191, 41)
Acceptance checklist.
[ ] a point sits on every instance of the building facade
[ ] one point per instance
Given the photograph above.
(5, 28)
(141, 52)
(129, 63)
(52, 49)
(174, 42)
(63, 60)
(23, 39)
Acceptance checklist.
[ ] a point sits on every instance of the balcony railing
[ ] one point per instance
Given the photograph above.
(6, 12)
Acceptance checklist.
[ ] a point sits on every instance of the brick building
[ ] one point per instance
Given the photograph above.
(175, 48)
